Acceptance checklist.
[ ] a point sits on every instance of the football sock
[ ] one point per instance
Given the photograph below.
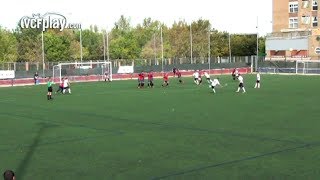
(48, 97)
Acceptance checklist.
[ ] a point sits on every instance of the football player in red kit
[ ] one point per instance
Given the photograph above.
(179, 77)
(141, 80)
(150, 79)
(165, 80)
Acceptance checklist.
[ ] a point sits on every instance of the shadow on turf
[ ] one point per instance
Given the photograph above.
(21, 170)
(25, 162)
(200, 168)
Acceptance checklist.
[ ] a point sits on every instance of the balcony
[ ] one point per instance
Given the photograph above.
(284, 58)
(288, 35)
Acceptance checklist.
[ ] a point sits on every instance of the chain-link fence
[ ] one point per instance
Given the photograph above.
(289, 65)
(28, 69)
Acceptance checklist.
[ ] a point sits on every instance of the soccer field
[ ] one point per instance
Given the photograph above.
(116, 131)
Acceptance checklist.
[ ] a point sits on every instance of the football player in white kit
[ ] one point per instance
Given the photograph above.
(257, 81)
(237, 74)
(207, 75)
(66, 85)
(214, 83)
(241, 85)
(196, 77)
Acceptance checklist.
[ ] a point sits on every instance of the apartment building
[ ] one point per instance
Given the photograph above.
(296, 30)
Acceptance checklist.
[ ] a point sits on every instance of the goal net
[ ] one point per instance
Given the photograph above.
(83, 71)
(307, 67)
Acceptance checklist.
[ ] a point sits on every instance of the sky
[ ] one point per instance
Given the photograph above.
(234, 16)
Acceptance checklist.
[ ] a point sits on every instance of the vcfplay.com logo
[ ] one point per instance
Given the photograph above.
(47, 21)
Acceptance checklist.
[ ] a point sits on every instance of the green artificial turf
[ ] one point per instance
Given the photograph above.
(116, 131)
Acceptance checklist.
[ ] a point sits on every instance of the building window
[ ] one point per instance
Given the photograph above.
(305, 4)
(315, 21)
(305, 19)
(293, 22)
(315, 5)
(293, 7)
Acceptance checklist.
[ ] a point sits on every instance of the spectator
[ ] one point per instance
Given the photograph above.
(9, 175)
(174, 70)
(35, 77)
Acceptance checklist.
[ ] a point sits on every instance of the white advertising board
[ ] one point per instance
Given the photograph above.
(125, 69)
(7, 74)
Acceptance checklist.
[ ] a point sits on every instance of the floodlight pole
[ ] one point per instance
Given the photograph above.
(43, 65)
(104, 46)
(257, 58)
(209, 48)
(229, 48)
(108, 55)
(161, 47)
(191, 61)
(81, 45)
(154, 48)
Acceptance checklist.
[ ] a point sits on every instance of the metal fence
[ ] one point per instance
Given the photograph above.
(284, 66)
(28, 69)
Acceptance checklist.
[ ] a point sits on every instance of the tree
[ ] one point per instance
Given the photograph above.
(124, 47)
(219, 43)
(145, 32)
(200, 38)
(8, 46)
(179, 38)
(93, 42)
(123, 43)
(29, 44)
(243, 45)
(122, 26)
(262, 46)
(57, 46)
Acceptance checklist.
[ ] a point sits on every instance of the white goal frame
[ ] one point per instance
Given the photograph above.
(103, 64)
(305, 67)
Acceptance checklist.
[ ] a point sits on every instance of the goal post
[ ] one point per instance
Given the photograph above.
(56, 73)
(76, 71)
(307, 67)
